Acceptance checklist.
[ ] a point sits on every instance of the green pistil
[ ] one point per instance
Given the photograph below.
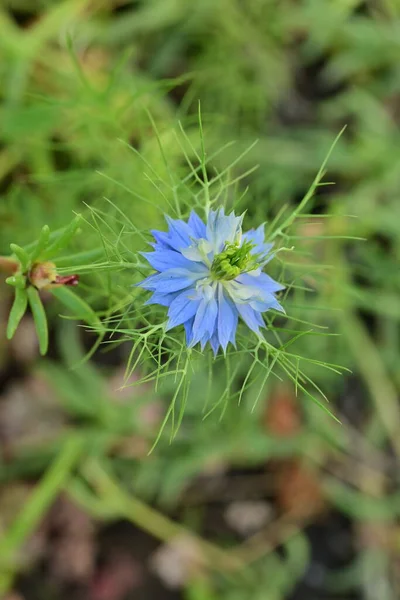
(233, 261)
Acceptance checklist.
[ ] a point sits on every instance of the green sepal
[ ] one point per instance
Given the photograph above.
(18, 310)
(40, 319)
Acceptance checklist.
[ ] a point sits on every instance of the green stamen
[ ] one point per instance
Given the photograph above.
(233, 261)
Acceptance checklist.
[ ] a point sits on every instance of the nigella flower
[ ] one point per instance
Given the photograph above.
(211, 274)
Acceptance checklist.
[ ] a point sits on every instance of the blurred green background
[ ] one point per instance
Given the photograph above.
(276, 503)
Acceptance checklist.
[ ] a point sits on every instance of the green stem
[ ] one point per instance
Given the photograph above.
(156, 524)
(36, 507)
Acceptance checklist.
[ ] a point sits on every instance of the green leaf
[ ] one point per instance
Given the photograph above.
(76, 305)
(65, 237)
(22, 256)
(42, 243)
(17, 281)
(39, 317)
(17, 311)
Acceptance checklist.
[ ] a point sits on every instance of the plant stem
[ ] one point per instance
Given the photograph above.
(155, 523)
(36, 507)
(9, 266)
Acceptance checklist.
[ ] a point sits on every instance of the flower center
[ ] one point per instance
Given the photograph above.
(233, 261)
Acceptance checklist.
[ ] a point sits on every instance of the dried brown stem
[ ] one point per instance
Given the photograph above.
(9, 266)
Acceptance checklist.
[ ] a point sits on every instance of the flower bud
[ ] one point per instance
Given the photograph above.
(44, 275)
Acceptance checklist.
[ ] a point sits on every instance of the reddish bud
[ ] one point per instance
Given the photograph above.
(44, 275)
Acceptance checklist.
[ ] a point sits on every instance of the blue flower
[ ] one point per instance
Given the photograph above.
(211, 274)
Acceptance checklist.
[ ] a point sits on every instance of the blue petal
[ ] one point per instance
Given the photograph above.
(222, 228)
(197, 225)
(168, 259)
(162, 239)
(171, 280)
(183, 308)
(242, 293)
(214, 341)
(267, 305)
(162, 299)
(227, 319)
(188, 325)
(178, 236)
(205, 319)
(179, 233)
(263, 282)
(147, 284)
(264, 251)
(206, 337)
(257, 236)
(250, 317)
(197, 251)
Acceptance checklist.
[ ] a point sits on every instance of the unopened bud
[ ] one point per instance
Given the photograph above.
(44, 275)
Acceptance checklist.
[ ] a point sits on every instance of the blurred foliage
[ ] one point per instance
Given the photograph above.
(89, 92)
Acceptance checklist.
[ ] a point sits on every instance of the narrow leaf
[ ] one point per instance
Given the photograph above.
(17, 281)
(39, 317)
(22, 256)
(42, 243)
(64, 238)
(80, 258)
(76, 305)
(17, 311)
